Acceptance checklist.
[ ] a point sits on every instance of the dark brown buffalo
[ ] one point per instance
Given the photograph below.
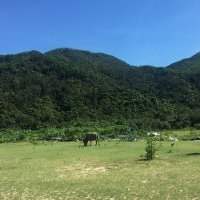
(89, 137)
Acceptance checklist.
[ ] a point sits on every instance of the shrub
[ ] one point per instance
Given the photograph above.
(151, 148)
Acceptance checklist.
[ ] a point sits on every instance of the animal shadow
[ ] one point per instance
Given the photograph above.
(193, 154)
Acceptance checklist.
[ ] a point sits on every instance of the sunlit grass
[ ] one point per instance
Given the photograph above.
(111, 171)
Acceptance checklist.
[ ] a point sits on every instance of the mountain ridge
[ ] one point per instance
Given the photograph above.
(63, 86)
(74, 50)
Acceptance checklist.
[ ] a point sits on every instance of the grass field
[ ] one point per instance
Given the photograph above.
(58, 171)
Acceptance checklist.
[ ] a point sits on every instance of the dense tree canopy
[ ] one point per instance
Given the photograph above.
(64, 85)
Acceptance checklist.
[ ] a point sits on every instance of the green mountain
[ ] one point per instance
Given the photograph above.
(64, 86)
(188, 65)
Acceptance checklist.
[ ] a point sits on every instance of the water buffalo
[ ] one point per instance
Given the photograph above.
(89, 137)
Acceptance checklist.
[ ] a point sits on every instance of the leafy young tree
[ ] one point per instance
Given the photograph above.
(151, 147)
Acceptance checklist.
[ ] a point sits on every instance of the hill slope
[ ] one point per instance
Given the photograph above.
(188, 65)
(65, 85)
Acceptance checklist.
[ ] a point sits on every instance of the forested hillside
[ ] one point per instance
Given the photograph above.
(63, 86)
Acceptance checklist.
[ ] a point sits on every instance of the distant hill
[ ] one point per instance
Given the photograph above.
(64, 86)
(188, 65)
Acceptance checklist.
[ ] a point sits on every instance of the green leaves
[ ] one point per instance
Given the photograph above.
(65, 86)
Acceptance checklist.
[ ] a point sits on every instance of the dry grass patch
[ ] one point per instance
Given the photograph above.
(81, 170)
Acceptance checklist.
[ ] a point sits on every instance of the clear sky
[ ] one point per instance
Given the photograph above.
(156, 32)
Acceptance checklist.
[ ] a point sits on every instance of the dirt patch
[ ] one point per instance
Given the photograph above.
(80, 170)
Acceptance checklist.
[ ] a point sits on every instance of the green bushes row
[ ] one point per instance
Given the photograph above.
(121, 132)
(67, 134)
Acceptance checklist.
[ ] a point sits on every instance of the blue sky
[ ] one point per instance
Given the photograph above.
(155, 32)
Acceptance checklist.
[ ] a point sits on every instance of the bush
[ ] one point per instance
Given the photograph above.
(150, 148)
(197, 126)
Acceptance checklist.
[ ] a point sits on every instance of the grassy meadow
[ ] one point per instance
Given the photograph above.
(115, 170)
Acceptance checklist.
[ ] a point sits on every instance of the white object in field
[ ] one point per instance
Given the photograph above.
(173, 139)
(153, 133)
